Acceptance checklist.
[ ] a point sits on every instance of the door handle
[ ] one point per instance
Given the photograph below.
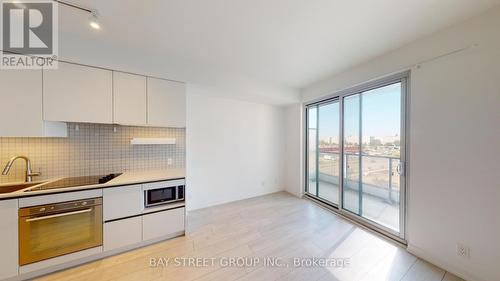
(401, 168)
(59, 215)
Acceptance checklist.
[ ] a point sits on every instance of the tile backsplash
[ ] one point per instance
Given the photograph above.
(93, 149)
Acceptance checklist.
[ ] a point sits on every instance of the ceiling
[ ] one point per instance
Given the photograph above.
(254, 49)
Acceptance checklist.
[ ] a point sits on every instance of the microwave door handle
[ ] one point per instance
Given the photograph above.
(58, 215)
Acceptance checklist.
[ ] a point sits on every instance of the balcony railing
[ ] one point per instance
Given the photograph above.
(380, 177)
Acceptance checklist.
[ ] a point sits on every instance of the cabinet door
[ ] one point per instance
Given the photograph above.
(8, 239)
(166, 103)
(122, 201)
(163, 223)
(21, 106)
(129, 99)
(122, 233)
(76, 93)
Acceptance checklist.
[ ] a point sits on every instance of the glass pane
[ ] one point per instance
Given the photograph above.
(69, 231)
(328, 173)
(53, 236)
(312, 118)
(381, 130)
(351, 180)
(372, 152)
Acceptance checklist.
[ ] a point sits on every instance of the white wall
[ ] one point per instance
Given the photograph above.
(235, 149)
(294, 141)
(454, 189)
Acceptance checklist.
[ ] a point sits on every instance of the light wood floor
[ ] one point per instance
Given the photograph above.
(276, 225)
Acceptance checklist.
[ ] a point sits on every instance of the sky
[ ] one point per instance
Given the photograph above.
(381, 114)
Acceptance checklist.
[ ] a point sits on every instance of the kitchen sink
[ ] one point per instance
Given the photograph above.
(8, 188)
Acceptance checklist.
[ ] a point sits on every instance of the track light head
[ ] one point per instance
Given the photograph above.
(93, 20)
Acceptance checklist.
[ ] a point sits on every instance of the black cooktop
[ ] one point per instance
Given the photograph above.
(76, 181)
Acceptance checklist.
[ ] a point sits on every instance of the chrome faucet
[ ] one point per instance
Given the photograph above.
(29, 173)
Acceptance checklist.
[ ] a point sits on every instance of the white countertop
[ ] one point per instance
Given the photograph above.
(124, 179)
(147, 176)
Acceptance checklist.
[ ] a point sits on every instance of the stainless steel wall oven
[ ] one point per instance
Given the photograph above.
(53, 230)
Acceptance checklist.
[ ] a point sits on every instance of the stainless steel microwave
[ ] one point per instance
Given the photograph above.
(163, 193)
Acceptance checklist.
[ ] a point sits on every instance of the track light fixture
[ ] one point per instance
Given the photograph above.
(94, 15)
(93, 20)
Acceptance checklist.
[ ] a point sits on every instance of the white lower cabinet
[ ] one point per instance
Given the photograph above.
(122, 233)
(8, 239)
(122, 201)
(162, 223)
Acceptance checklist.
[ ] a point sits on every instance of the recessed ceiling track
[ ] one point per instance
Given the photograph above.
(73, 5)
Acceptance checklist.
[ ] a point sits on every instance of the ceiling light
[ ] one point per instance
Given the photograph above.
(93, 20)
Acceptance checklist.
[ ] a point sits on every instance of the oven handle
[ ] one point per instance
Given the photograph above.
(59, 215)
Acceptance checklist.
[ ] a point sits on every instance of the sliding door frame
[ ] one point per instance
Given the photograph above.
(306, 141)
(404, 79)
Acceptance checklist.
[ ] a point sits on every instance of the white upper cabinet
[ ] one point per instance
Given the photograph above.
(166, 103)
(21, 106)
(129, 99)
(76, 93)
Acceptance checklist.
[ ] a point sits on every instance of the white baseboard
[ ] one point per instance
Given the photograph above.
(298, 195)
(439, 262)
(233, 200)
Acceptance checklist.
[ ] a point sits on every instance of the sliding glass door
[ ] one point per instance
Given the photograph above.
(324, 151)
(372, 155)
(355, 155)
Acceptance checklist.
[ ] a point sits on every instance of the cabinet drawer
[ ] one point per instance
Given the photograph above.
(122, 201)
(162, 223)
(122, 233)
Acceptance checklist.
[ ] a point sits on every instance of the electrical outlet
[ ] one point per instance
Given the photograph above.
(463, 250)
(169, 161)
